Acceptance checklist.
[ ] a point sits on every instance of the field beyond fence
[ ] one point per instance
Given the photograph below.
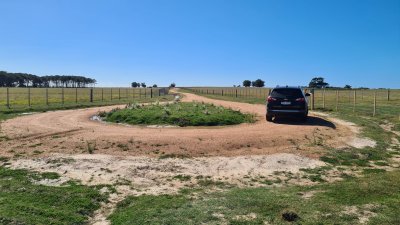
(31, 98)
(369, 102)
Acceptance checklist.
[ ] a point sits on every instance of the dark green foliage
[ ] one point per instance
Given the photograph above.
(30, 80)
(180, 114)
(246, 83)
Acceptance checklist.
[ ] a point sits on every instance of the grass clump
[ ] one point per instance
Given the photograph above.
(178, 114)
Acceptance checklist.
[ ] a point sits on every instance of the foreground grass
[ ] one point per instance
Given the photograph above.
(24, 202)
(374, 194)
(181, 114)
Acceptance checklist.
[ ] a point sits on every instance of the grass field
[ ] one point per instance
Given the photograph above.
(360, 102)
(178, 114)
(36, 98)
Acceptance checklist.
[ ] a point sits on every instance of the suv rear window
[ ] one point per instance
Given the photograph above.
(287, 93)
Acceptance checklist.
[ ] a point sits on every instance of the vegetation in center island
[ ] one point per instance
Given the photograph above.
(178, 114)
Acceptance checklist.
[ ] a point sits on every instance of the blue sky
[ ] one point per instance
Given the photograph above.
(205, 42)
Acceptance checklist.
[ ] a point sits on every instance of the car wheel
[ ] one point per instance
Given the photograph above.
(304, 118)
(268, 117)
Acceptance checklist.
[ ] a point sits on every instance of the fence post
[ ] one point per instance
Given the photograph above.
(47, 96)
(313, 99)
(354, 102)
(111, 95)
(8, 98)
(323, 99)
(213, 91)
(91, 94)
(222, 92)
(76, 95)
(102, 94)
(349, 96)
(151, 92)
(29, 97)
(337, 100)
(388, 94)
(119, 93)
(236, 93)
(374, 103)
(145, 92)
(62, 96)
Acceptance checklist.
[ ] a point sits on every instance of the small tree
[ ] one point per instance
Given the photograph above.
(347, 86)
(246, 83)
(258, 83)
(318, 82)
(135, 84)
(143, 85)
(172, 85)
(154, 85)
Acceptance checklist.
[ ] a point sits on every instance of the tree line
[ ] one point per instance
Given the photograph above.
(30, 80)
(143, 85)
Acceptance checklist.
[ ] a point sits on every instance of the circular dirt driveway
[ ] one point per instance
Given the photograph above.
(72, 132)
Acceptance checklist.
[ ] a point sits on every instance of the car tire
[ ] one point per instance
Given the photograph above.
(268, 118)
(304, 118)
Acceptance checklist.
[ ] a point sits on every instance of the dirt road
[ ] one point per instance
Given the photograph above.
(72, 132)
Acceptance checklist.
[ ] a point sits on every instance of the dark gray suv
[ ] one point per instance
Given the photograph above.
(287, 101)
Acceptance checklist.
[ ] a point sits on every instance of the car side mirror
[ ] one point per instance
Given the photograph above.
(307, 94)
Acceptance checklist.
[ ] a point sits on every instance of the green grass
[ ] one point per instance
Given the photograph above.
(327, 206)
(180, 114)
(23, 202)
(59, 98)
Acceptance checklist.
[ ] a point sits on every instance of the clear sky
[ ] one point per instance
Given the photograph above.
(205, 42)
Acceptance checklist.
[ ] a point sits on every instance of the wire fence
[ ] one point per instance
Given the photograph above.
(25, 98)
(371, 102)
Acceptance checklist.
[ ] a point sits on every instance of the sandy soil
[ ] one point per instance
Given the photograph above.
(71, 132)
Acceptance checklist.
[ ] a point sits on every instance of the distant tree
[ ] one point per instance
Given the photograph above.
(234, 85)
(347, 86)
(154, 85)
(238, 85)
(143, 85)
(172, 85)
(135, 84)
(246, 83)
(318, 82)
(258, 83)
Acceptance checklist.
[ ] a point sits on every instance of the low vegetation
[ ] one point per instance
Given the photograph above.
(179, 114)
(22, 201)
(374, 197)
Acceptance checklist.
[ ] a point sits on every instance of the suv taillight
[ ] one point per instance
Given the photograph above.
(271, 99)
(300, 100)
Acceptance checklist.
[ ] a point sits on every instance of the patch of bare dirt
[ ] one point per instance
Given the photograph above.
(354, 139)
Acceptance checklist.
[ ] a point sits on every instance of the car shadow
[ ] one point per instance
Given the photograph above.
(311, 121)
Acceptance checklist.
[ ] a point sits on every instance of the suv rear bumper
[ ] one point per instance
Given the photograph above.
(273, 112)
